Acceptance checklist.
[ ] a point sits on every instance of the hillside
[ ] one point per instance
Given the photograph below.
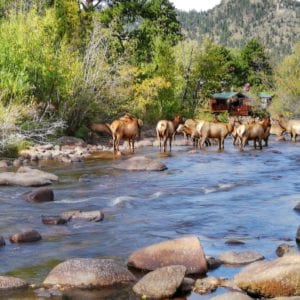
(233, 22)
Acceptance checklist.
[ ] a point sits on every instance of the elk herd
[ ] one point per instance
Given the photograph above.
(201, 132)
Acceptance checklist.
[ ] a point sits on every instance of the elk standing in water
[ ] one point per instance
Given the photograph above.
(165, 130)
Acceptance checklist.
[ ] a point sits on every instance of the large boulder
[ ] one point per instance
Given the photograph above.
(280, 277)
(88, 273)
(11, 283)
(232, 296)
(29, 236)
(161, 283)
(40, 195)
(26, 176)
(186, 251)
(240, 258)
(141, 163)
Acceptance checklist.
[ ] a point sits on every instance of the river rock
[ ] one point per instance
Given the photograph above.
(40, 195)
(287, 298)
(280, 277)
(161, 283)
(88, 273)
(70, 141)
(2, 241)
(297, 207)
(25, 237)
(26, 176)
(141, 163)
(213, 262)
(186, 251)
(11, 283)
(53, 220)
(284, 249)
(93, 215)
(206, 285)
(240, 258)
(3, 164)
(298, 235)
(232, 296)
(187, 285)
(234, 242)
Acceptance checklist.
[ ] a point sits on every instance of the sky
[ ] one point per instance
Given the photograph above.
(195, 4)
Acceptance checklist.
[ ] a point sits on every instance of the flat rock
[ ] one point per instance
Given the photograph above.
(12, 283)
(40, 195)
(88, 273)
(53, 220)
(186, 251)
(206, 285)
(26, 176)
(284, 249)
(240, 258)
(2, 241)
(25, 237)
(232, 296)
(141, 163)
(279, 277)
(93, 215)
(161, 283)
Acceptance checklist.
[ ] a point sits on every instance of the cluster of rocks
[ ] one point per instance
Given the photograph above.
(171, 265)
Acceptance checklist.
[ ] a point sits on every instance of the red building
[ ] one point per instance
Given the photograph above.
(236, 104)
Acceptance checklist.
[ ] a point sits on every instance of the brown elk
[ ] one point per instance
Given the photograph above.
(165, 130)
(256, 131)
(215, 130)
(291, 126)
(126, 127)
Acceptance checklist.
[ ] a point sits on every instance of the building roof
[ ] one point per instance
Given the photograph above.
(265, 95)
(227, 95)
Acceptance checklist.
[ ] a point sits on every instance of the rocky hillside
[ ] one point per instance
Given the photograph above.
(233, 22)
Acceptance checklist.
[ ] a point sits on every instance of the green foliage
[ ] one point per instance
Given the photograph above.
(287, 77)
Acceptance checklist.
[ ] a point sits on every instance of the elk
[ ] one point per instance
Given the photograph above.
(290, 126)
(165, 130)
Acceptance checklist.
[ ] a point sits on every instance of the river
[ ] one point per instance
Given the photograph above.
(215, 195)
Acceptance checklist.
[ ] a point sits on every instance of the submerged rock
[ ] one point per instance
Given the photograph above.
(141, 163)
(186, 251)
(233, 242)
(232, 296)
(240, 258)
(93, 215)
(213, 262)
(284, 249)
(161, 283)
(40, 195)
(297, 207)
(12, 283)
(26, 237)
(2, 241)
(298, 236)
(280, 277)
(26, 176)
(88, 273)
(53, 220)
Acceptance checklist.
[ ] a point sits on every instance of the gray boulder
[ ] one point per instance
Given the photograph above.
(12, 283)
(141, 163)
(29, 236)
(40, 195)
(186, 251)
(88, 273)
(280, 277)
(26, 176)
(240, 258)
(161, 283)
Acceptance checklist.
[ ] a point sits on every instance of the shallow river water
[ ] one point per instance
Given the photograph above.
(215, 195)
